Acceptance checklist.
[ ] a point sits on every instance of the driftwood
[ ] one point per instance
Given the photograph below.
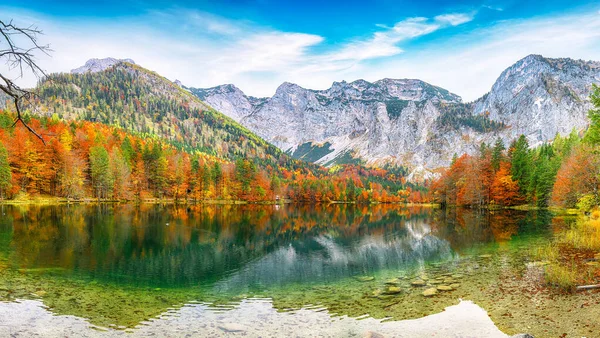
(588, 287)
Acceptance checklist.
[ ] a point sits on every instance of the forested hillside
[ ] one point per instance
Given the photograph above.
(83, 160)
(563, 173)
(138, 100)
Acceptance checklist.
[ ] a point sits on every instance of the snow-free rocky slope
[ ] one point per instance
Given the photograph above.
(411, 122)
(98, 65)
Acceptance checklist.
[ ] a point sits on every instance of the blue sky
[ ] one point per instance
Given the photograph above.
(459, 45)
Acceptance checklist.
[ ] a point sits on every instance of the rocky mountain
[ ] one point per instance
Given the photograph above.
(539, 97)
(411, 122)
(98, 65)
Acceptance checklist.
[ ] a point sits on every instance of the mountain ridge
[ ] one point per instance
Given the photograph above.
(409, 121)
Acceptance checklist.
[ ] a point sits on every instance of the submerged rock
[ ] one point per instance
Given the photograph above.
(418, 282)
(232, 327)
(430, 292)
(371, 334)
(393, 281)
(444, 288)
(392, 290)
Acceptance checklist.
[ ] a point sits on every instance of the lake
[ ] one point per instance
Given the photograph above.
(311, 270)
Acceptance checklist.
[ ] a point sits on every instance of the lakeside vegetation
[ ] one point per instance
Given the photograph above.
(563, 174)
(86, 160)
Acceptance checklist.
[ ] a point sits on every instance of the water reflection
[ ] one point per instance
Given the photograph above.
(239, 247)
(325, 258)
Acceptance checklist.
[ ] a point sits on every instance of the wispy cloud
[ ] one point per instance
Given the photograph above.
(454, 19)
(385, 42)
(203, 50)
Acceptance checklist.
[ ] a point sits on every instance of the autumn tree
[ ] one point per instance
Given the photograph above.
(577, 176)
(505, 190)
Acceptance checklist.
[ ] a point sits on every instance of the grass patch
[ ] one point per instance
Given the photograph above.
(563, 277)
(585, 234)
(573, 256)
(547, 252)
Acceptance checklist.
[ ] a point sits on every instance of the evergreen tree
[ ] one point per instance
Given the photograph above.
(497, 154)
(592, 136)
(5, 174)
(127, 150)
(521, 163)
(102, 178)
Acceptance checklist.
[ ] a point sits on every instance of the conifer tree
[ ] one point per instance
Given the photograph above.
(5, 174)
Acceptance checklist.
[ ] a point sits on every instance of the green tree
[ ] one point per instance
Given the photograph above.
(592, 136)
(5, 174)
(217, 176)
(121, 172)
(497, 154)
(541, 183)
(102, 178)
(521, 163)
(127, 150)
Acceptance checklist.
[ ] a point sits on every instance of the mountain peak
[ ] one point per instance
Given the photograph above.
(287, 87)
(98, 65)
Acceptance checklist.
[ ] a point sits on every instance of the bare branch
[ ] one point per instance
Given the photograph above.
(17, 57)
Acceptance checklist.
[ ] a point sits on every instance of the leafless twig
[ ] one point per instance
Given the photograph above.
(23, 59)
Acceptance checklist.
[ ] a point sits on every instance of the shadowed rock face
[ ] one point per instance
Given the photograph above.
(412, 122)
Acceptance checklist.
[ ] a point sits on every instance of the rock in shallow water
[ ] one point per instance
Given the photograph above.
(392, 290)
(393, 281)
(418, 282)
(371, 334)
(430, 292)
(232, 327)
(444, 288)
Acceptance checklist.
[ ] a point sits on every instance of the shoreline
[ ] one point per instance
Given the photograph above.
(61, 201)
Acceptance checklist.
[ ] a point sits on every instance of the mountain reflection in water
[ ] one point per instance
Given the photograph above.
(234, 247)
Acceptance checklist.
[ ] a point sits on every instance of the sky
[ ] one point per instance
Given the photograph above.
(460, 45)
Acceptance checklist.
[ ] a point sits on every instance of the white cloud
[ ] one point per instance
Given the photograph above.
(385, 43)
(469, 65)
(454, 19)
(204, 50)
